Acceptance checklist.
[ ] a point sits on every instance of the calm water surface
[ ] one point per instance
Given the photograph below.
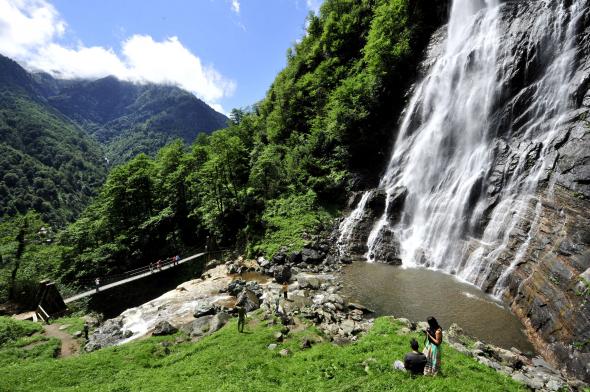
(416, 293)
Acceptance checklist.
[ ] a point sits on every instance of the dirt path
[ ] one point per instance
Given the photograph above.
(69, 345)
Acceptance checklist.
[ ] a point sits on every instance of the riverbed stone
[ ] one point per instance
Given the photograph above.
(308, 282)
(218, 321)
(198, 327)
(248, 299)
(163, 328)
(282, 273)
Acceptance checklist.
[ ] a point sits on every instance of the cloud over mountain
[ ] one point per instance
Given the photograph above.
(30, 32)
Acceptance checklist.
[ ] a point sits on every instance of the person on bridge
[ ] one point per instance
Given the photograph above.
(97, 283)
(159, 265)
(177, 259)
(241, 318)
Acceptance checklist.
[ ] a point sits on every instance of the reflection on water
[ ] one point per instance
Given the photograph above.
(416, 293)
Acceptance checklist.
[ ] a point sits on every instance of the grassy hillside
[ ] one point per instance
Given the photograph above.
(229, 361)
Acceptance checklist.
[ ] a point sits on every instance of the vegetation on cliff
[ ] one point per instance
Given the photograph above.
(281, 169)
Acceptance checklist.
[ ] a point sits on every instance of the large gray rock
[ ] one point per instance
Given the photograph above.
(248, 300)
(282, 273)
(218, 321)
(163, 328)
(308, 282)
(198, 327)
(312, 256)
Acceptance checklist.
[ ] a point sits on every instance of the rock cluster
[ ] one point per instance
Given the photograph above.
(109, 333)
(534, 373)
(314, 257)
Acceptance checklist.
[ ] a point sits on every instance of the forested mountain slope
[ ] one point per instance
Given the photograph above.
(131, 118)
(276, 175)
(58, 138)
(279, 172)
(47, 163)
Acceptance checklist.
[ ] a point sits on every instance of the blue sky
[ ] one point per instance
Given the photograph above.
(227, 52)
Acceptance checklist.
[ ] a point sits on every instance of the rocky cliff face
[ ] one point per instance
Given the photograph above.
(518, 225)
(549, 286)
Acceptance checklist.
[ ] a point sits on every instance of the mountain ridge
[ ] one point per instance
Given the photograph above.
(50, 127)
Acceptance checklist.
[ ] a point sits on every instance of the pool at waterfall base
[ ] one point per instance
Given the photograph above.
(416, 293)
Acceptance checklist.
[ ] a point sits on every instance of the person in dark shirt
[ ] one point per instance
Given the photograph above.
(415, 361)
(241, 318)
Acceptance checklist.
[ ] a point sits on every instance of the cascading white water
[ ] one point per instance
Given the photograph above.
(448, 140)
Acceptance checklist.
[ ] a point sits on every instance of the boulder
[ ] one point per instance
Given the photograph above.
(198, 327)
(279, 258)
(362, 308)
(204, 310)
(387, 248)
(308, 282)
(282, 273)
(249, 300)
(284, 352)
(164, 328)
(218, 321)
(236, 286)
(295, 258)
(108, 334)
(311, 256)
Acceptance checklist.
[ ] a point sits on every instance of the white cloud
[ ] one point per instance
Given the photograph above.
(235, 6)
(29, 33)
(314, 5)
(26, 24)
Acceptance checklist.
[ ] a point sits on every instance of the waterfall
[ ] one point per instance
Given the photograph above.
(472, 190)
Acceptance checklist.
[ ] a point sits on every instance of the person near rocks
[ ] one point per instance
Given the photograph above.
(85, 329)
(433, 341)
(241, 318)
(97, 284)
(285, 290)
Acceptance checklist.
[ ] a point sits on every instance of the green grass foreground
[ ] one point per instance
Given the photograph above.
(229, 361)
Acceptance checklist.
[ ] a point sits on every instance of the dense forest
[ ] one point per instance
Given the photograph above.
(281, 169)
(129, 119)
(58, 138)
(47, 164)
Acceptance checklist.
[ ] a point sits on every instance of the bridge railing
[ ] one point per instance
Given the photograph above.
(152, 267)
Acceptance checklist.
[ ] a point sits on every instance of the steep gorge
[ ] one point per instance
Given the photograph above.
(489, 176)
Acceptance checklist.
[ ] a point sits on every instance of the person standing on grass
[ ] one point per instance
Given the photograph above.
(432, 351)
(241, 318)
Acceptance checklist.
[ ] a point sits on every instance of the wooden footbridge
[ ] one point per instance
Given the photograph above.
(51, 303)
